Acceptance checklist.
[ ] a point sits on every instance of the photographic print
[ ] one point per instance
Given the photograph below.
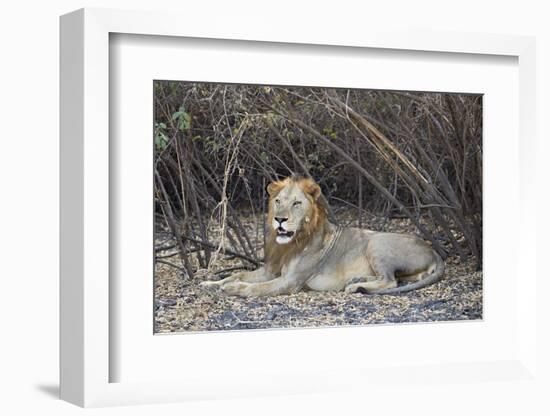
(308, 207)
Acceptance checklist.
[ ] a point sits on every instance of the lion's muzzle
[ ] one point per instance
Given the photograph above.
(283, 235)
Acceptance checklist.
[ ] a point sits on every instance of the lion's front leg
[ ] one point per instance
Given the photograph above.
(258, 275)
(277, 286)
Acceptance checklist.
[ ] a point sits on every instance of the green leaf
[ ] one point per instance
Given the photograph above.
(161, 141)
(183, 118)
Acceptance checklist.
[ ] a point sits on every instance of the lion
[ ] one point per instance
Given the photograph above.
(305, 251)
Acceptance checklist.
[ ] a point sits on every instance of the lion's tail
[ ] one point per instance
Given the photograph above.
(433, 277)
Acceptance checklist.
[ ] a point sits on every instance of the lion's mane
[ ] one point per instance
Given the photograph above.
(277, 255)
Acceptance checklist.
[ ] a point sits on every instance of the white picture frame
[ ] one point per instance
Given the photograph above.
(86, 356)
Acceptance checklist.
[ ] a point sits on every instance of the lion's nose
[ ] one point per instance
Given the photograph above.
(280, 220)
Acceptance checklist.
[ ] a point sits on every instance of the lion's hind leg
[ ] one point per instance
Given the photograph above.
(412, 277)
(384, 279)
(369, 286)
(354, 284)
(384, 275)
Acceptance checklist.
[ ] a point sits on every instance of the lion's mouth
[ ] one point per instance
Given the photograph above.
(284, 236)
(281, 232)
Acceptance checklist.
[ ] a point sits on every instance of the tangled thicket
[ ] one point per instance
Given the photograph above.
(383, 153)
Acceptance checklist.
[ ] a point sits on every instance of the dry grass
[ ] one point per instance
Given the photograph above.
(183, 306)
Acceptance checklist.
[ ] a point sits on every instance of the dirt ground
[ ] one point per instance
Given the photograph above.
(181, 305)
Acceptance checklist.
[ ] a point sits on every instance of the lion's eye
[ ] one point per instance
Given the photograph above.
(296, 203)
(277, 201)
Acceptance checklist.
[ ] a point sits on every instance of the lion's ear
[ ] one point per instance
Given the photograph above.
(312, 189)
(274, 187)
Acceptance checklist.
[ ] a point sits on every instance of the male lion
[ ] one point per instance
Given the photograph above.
(305, 251)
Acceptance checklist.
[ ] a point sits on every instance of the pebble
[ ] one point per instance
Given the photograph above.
(166, 302)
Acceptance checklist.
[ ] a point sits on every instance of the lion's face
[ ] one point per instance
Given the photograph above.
(291, 207)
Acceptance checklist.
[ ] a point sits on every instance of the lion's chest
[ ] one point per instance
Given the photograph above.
(326, 277)
(306, 269)
(344, 262)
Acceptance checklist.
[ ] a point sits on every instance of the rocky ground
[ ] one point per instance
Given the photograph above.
(181, 305)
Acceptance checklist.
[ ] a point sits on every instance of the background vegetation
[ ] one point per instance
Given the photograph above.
(377, 155)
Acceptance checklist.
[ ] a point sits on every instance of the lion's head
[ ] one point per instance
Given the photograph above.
(292, 207)
(296, 213)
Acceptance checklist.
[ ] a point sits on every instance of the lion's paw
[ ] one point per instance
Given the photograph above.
(356, 288)
(210, 285)
(351, 288)
(235, 288)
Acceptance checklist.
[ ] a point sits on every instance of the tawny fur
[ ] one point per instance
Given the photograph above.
(305, 251)
(277, 255)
